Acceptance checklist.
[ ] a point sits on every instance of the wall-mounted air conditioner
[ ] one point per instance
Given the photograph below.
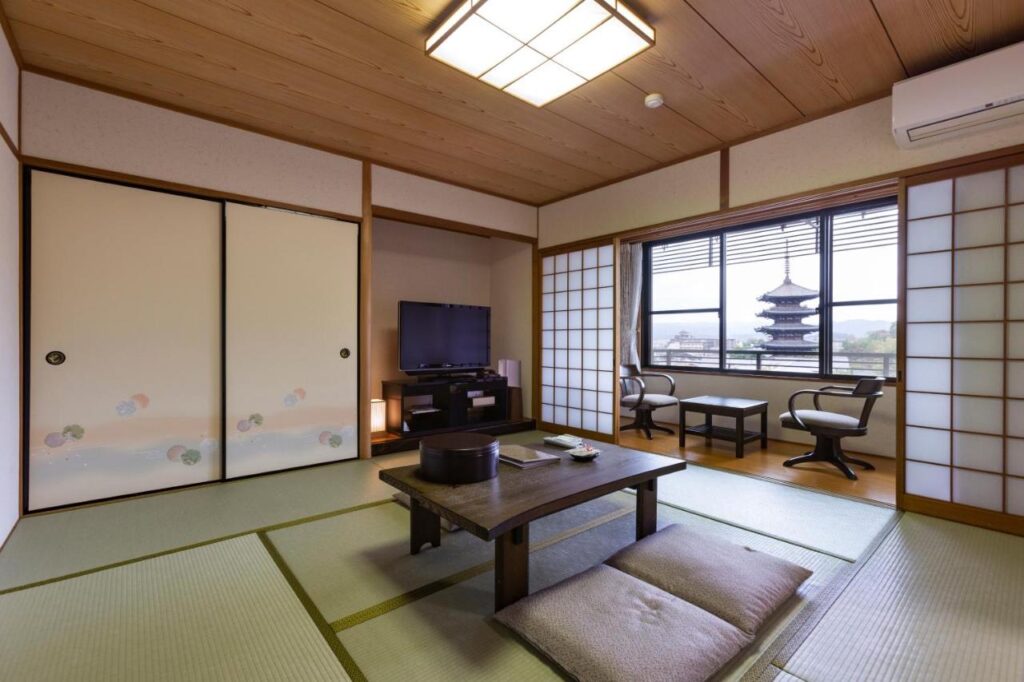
(975, 94)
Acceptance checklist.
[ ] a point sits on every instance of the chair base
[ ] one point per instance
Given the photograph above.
(828, 449)
(643, 420)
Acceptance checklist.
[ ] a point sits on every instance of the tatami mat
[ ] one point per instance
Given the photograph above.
(49, 545)
(826, 523)
(936, 601)
(219, 612)
(450, 634)
(352, 562)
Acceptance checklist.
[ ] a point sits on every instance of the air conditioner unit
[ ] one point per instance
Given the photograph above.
(975, 94)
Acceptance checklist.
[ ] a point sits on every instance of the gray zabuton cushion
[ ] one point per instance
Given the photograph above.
(738, 584)
(606, 625)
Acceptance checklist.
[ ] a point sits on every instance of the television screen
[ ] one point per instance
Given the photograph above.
(440, 337)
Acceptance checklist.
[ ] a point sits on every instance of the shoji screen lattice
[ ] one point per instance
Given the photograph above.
(964, 409)
(578, 340)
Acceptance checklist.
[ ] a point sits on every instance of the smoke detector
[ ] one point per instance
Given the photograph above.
(654, 100)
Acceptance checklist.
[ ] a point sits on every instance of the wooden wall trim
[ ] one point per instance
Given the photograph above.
(447, 224)
(365, 311)
(153, 183)
(10, 142)
(952, 511)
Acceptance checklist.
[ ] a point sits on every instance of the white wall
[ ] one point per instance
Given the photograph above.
(684, 189)
(852, 145)
(416, 263)
(86, 127)
(881, 438)
(408, 192)
(512, 309)
(10, 299)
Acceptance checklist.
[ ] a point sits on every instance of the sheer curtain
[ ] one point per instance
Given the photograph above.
(631, 266)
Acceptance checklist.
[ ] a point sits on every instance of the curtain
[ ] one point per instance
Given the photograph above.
(631, 267)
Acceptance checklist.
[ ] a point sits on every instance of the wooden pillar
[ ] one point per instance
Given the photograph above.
(365, 306)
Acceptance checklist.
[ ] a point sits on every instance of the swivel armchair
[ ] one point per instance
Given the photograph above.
(829, 428)
(637, 397)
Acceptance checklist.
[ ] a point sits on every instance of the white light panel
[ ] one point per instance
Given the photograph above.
(539, 50)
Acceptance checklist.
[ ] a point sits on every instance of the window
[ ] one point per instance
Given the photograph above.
(813, 294)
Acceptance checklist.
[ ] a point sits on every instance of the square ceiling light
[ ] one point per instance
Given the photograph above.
(538, 50)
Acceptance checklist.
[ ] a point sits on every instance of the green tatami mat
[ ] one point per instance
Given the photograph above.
(450, 635)
(937, 601)
(352, 562)
(827, 523)
(219, 612)
(56, 544)
(50, 545)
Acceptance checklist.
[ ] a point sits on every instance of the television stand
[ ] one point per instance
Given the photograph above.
(427, 405)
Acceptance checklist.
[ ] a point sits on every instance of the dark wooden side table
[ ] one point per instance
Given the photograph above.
(737, 408)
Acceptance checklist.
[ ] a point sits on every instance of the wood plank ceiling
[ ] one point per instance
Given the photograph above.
(350, 76)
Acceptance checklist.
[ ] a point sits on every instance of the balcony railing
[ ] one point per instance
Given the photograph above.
(853, 363)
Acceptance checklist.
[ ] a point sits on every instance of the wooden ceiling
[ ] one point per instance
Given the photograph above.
(350, 76)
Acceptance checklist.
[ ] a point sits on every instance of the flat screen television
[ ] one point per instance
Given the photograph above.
(435, 338)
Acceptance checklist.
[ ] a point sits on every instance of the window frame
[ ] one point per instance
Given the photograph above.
(826, 304)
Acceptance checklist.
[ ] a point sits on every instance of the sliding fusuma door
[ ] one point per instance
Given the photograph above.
(291, 301)
(123, 355)
(963, 443)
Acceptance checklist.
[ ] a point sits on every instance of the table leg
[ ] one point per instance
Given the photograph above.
(646, 508)
(764, 430)
(682, 427)
(739, 436)
(707, 434)
(424, 526)
(511, 566)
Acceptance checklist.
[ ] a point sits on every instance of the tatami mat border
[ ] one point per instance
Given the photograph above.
(789, 640)
(339, 650)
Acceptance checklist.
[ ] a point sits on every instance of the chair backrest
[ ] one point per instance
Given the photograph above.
(870, 390)
(629, 384)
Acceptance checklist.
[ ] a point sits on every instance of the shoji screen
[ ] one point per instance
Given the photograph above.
(124, 343)
(291, 340)
(577, 340)
(964, 341)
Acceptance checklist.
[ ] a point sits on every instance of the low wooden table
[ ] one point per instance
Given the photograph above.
(738, 408)
(502, 508)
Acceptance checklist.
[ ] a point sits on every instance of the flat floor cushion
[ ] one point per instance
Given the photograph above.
(606, 625)
(739, 585)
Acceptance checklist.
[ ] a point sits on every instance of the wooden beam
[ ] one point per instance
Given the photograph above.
(446, 224)
(723, 179)
(365, 308)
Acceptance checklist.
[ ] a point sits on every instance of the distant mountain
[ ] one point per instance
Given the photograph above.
(745, 329)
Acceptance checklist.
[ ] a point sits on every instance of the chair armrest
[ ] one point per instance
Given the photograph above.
(643, 387)
(792, 404)
(667, 377)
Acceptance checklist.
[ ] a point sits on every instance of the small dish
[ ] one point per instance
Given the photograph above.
(584, 453)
